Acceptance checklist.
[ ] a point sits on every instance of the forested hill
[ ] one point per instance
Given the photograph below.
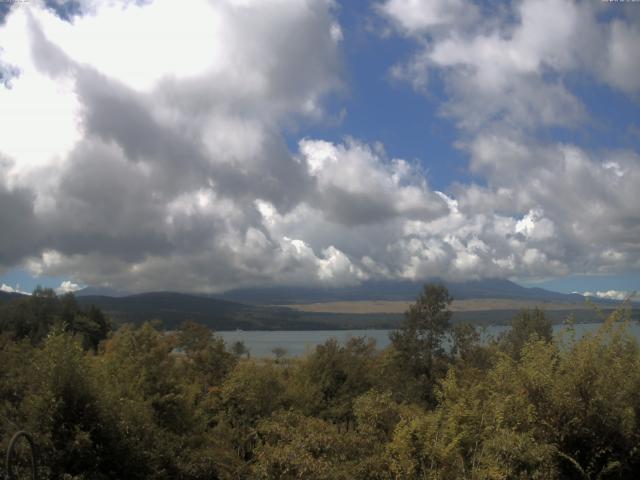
(7, 296)
(257, 309)
(173, 308)
(396, 290)
(371, 290)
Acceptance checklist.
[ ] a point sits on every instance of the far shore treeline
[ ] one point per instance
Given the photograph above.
(137, 402)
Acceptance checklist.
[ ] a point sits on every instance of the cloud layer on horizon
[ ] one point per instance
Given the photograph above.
(165, 166)
(612, 295)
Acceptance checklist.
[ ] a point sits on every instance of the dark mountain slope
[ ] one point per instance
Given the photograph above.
(174, 308)
(403, 290)
(8, 296)
(100, 291)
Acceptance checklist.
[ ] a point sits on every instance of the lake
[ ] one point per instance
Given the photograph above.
(297, 343)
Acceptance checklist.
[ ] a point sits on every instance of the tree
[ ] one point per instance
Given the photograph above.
(377, 415)
(33, 318)
(30, 317)
(208, 361)
(91, 324)
(329, 380)
(193, 337)
(418, 344)
(62, 410)
(239, 349)
(294, 446)
(524, 325)
(279, 353)
(250, 392)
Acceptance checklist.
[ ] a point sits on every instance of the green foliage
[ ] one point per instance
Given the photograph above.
(526, 324)
(426, 447)
(146, 404)
(327, 381)
(279, 353)
(564, 410)
(207, 360)
(251, 392)
(418, 358)
(33, 317)
(294, 446)
(157, 411)
(62, 408)
(426, 323)
(377, 415)
(239, 349)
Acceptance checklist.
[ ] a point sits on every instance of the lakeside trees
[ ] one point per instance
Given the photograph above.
(437, 404)
(33, 317)
(418, 356)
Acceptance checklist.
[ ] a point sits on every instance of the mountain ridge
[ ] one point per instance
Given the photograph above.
(274, 308)
(101, 292)
(396, 290)
(173, 308)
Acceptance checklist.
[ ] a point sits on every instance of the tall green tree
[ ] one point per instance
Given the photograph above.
(33, 317)
(526, 324)
(417, 346)
(329, 380)
(207, 360)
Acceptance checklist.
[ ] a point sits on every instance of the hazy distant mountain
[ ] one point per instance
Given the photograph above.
(101, 291)
(171, 309)
(249, 309)
(496, 288)
(389, 290)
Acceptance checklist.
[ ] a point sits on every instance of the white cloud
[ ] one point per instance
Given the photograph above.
(68, 286)
(358, 184)
(415, 16)
(166, 166)
(510, 73)
(623, 66)
(147, 163)
(612, 294)
(535, 226)
(168, 48)
(542, 207)
(9, 289)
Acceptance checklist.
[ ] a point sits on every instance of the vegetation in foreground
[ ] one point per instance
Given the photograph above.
(124, 404)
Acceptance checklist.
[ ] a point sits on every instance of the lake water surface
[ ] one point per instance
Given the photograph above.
(297, 343)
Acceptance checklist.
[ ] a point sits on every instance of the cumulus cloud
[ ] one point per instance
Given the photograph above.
(67, 286)
(511, 74)
(358, 184)
(419, 16)
(166, 166)
(552, 206)
(612, 295)
(9, 289)
(20, 229)
(149, 161)
(623, 60)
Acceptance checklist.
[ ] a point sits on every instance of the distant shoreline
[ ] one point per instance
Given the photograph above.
(400, 306)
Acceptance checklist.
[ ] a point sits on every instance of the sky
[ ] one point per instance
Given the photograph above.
(207, 145)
